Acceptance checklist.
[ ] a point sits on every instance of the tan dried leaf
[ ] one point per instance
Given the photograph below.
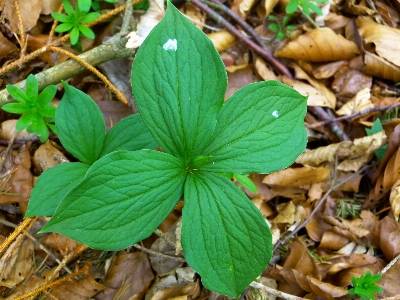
(29, 10)
(352, 154)
(387, 234)
(151, 18)
(327, 70)
(395, 199)
(319, 45)
(377, 66)
(222, 39)
(6, 46)
(245, 7)
(269, 6)
(385, 38)
(360, 102)
(195, 15)
(7, 130)
(263, 70)
(48, 156)
(297, 176)
(50, 6)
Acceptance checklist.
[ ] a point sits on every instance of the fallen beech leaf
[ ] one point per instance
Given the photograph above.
(48, 156)
(360, 102)
(332, 241)
(290, 214)
(348, 82)
(269, 6)
(395, 199)
(59, 243)
(238, 76)
(353, 154)
(263, 70)
(377, 66)
(387, 234)
(80, 289)
(16, 262)
(297, 176)
(189, 291)
(151, 18)
(131, 273)
(29, 11)
(319, 45)
(194, 14)
(327, 70)
(222, 39)
(50, 6)
(385, 38)
(245, 7)
(7, 130)
(6, 46)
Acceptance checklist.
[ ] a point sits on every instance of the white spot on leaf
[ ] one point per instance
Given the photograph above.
(275, 113)
(171, 44)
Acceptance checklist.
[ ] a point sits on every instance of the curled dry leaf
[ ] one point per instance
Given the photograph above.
(245, 7)
(194, 14)
(16, 262)
(395, 199)
(297, 176)
(349, 81)
(130, 272)
(386, 232)
(377, 66)
(7, 130)
(386, 39)
(6, 46)
(60, 244)
(319, 45)
(352, 154)
(269, 6)
(222, 39)
(48, 156)
(263, 70)
(29, 10)
(189, 291)
(360, 102)
(327, 70)
(151, 18)
(290, 215)
(50, 6)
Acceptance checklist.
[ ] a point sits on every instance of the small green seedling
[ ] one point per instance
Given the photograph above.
(377, 127)
(365, 287)
(282, 29)
(81, 130)
(73, 22)
(36, 109)
(306, 7)
(179, 82)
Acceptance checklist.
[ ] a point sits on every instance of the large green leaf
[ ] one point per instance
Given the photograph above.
(224, 236)
(80, 125)
(122, 200)
(179, 81)
(51, 187)
(128, 134)
(260, 129)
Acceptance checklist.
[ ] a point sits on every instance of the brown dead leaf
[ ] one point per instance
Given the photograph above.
(80, 289)
(7, 130)
(386, 233)
(353, 155)
(16, 262)
(319, 45)
(297, 176)
(386, 39)
(151, 18)
(269, 6)
(238, 76)
(129, 277)
(245, 7)
(332, 241)
(48, 156)
(6, 46)
(395, 199)
(327, 70)
(390, 281)
(289, 214)
(50, 6)
(263, 70)
(348, 81)
(29, 10)
(377, 66)
(59, 243)
(360, 102)
(189, 291)
(194, 14)
(222, 39)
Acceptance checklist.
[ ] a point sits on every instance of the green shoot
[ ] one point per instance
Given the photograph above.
(37, 111)
(365, 287)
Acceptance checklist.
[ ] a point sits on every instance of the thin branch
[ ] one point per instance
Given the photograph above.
(317, 207)
(274, 292)
(26, 224)
(158, 253)
(264, 53)
(356, 115)
(88, 66)
(323, 115)
(21, 28)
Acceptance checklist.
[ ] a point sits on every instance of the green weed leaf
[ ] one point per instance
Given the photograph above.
(259, 130)
(377, 127)
(365, 287)
(224, 236)
(82, 136)
(122, 200)
(128, 134)
(179, 82)
(52, 186)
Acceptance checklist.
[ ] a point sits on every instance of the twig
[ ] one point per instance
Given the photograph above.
(264, 53)
(322, 114)
(88, 66)
(26, 224)
(389, 265)
(158, 253)
(274, 292)
(54, 25)
(242, 23)
(21, 28)
(357, 114)
(317, 207)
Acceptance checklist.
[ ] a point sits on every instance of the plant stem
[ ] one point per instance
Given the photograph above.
(264, 53)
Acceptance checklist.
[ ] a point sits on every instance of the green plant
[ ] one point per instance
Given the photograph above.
(81, 130)
(179, 82)
(282, 29)
(306, 6)
(377, 127)
(73, 22)
(364, 286)
(36, 109)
